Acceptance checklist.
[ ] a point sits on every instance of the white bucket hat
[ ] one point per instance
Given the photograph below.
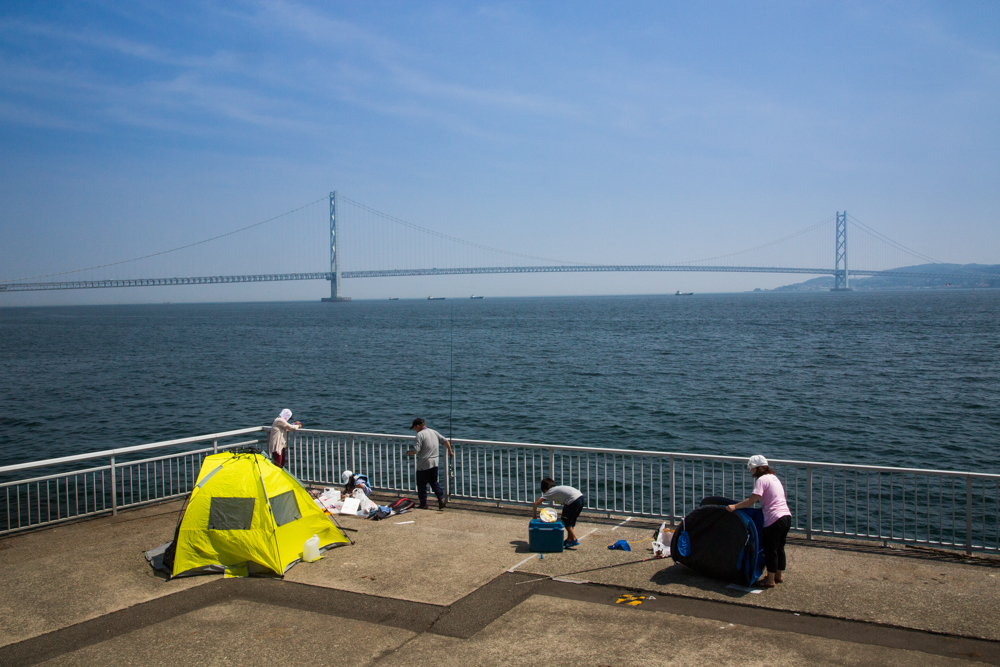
(345, 476)
(756, 461)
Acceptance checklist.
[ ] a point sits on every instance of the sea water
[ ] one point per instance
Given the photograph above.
(889, 378)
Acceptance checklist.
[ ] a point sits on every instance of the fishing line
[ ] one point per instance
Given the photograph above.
(451, 388)
(593, 569)
(451, 365)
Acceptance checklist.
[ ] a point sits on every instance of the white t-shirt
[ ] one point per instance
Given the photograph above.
(562, 495)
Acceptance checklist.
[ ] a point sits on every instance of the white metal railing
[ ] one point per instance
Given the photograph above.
(122, 478)
(931, 507)
(959, 510)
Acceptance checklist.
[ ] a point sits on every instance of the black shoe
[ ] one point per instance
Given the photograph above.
(442, 503)
(422, 507)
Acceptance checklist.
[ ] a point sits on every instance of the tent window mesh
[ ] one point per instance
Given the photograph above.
(286, 508)
(230, 514)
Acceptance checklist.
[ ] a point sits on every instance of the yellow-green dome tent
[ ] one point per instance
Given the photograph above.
(245, 516)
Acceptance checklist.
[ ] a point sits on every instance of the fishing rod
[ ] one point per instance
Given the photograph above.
(451, 365)
(449, 476)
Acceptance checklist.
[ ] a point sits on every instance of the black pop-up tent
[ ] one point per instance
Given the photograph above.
(721, 544)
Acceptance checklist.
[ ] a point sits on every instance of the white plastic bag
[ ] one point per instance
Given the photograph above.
(366, 504)
(661, 549)
(328, 504)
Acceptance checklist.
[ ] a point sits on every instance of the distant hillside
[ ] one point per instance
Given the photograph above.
(954, 275)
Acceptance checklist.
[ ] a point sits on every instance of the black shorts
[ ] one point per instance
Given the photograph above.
(571, 511)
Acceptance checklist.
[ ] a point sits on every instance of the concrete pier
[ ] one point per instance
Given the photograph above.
(459, 587)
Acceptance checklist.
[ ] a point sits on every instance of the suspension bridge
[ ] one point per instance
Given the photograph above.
(382, 246)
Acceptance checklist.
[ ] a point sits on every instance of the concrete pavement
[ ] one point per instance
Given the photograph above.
(438, 589)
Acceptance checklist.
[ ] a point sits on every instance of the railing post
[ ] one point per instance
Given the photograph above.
(448, 461)
(809, 502)
(673, 495)
(353, 468)
(968, 514)
(552, 463)
(114, 489)
(215, 446)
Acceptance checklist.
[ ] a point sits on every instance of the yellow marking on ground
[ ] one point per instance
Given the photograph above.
(631, 600)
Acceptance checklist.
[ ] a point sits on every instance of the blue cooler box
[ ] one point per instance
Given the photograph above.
(545, 537)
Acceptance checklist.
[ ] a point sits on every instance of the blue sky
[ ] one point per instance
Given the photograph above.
(644, 132)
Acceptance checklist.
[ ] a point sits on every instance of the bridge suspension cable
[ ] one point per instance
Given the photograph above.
(291, 246)
(471, 244)
(797, 234)
(877, 243)
(171, 250)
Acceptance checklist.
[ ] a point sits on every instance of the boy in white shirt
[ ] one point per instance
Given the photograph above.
(572, 504)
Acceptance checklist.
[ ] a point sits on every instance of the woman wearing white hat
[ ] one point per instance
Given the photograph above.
(276, 439)
(777, 517)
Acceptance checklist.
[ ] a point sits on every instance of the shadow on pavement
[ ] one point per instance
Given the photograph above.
(679, 574)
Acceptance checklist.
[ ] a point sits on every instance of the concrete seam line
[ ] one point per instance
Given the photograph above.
(123, 621)
(627, 519)
(113, 624)
(498, 587)
(522, 562)
(894, 638)
(752, 608)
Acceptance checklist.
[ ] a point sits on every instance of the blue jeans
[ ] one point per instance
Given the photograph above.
(425, 477)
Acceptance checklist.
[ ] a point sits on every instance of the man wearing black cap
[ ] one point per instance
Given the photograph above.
(425, 448)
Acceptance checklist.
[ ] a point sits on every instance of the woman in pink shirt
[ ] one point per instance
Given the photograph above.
(777, 517)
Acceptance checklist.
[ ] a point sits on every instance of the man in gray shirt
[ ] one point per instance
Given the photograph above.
(425, 448)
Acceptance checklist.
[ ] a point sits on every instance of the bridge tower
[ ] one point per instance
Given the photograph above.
(334, 266)
(840, 275)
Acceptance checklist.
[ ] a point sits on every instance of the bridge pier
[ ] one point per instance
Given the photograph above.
(334, 266)
(840, 274)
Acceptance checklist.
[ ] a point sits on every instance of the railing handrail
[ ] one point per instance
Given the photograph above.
(457, 440)
(683, 455)
(128, 450)
(904, 505)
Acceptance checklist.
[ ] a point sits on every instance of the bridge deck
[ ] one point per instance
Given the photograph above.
(401, 273)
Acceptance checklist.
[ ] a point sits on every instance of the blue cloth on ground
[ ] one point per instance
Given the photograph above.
(622, 545)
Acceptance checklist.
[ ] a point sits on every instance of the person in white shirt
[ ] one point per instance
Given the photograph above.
(572, 504)
(426, 448)
(277, 438)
